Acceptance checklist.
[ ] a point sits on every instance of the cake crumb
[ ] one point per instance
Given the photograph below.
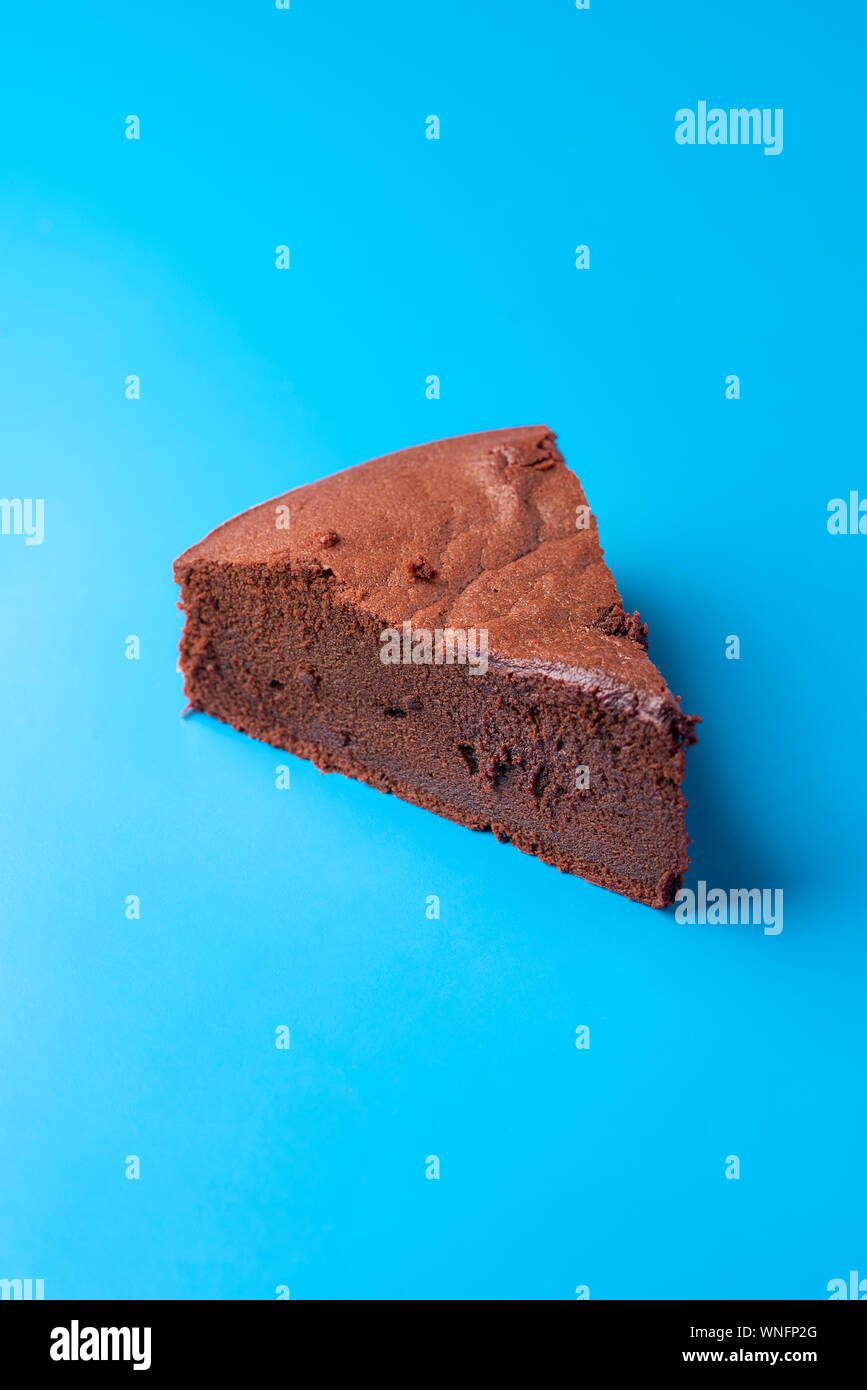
(614, 622)
(421, 569)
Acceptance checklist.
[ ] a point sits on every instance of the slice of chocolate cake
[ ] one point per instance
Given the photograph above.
(440, 624)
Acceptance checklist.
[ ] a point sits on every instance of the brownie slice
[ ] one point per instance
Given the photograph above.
(440, 624)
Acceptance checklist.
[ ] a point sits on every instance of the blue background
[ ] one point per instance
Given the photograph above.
(305, 907)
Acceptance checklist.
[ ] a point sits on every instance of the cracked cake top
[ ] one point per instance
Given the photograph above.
(486, 530)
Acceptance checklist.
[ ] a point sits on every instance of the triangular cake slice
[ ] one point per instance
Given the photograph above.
(440, 623)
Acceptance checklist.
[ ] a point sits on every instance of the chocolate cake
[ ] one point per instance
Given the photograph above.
(440, 623)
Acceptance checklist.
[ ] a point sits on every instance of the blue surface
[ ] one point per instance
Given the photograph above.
(259, 908)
